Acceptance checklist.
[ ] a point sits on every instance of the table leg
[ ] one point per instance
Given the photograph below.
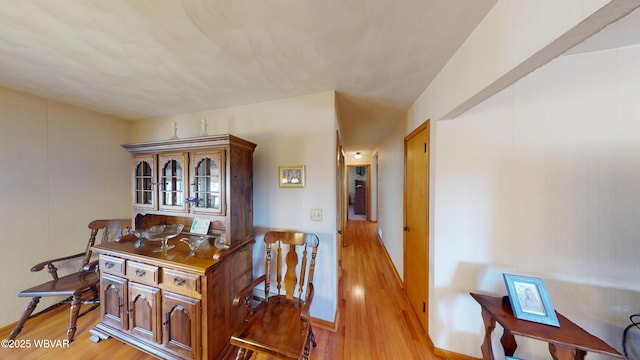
(508, 342)
(489, 325)
(562, 352)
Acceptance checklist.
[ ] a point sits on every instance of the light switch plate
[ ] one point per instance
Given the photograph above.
(316, 214)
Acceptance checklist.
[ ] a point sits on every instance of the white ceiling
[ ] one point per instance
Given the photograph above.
(146, 58)
(139, 59)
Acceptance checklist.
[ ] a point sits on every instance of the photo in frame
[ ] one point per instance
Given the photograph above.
(291, 176)
(530, 300)
(200, 226)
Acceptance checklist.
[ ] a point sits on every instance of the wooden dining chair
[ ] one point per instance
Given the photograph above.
(279, 325)
(73, 286)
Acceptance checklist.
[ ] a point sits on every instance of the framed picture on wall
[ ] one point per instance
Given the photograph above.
(530, 300)
(291, 176)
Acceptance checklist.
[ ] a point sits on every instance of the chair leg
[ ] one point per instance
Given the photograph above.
(244, 354)
(25, 315)
(240, 353)
(311, 340)
(312, 336)
(94, 291)
(73, 316)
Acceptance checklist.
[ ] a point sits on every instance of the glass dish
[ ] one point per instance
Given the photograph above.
(162, 233)
(194, 242)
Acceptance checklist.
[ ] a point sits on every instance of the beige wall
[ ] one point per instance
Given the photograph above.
(298, 131)
(60, 168)
(63, 166)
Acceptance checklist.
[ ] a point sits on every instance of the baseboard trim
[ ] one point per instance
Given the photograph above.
(440, 353)
(450, 355)
(8, 327)
(327, 325)
(386, 254)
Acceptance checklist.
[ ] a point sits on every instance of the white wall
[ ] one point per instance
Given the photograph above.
(374, 187)
(298, 131)
(513, 39)
(390, 201)
(542, 180)
(60, 168)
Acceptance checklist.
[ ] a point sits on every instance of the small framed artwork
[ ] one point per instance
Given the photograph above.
(291, 176)
(200, 226)
(530, 300)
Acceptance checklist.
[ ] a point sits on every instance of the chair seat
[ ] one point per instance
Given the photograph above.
(269, 330)
(75, 285)
(72, 284)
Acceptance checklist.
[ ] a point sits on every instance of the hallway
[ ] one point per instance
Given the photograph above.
(353, 216)
(376, 320)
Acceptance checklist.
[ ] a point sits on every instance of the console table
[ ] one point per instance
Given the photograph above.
(569, 341)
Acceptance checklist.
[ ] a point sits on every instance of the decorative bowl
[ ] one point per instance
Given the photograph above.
(194, 242)
(162, 233)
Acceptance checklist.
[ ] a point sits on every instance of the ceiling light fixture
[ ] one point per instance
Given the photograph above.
(358, 155)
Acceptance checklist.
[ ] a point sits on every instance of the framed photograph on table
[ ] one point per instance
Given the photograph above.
(530, 300)
(291, 176)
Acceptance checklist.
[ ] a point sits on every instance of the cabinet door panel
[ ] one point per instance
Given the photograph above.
(172, 175)
(207, 179)
(144, 312)
(181, 333)
(144, 181)
(113, 298)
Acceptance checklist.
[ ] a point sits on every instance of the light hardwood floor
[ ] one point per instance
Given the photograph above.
(375, 318)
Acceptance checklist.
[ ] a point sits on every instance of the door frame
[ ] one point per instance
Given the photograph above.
(341, 216)
(424, 126)
(368, 181)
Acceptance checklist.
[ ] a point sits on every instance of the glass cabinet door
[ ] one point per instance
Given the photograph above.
(207, 182)
(144, 182)
(172, 178)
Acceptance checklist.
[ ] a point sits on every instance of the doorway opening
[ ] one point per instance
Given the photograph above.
(358, 191)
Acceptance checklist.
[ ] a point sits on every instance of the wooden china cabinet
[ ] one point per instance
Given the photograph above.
(176, 304)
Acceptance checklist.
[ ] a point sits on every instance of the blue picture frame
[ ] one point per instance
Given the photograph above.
(530, 300)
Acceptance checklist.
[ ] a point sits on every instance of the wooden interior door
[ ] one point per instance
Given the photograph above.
(416, 215)
(340, 198)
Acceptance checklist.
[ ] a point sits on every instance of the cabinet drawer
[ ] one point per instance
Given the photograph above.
(142, 272)
(180, 281)
(111, 265)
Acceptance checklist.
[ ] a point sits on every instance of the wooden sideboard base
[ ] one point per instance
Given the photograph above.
(171, 305)
(97, 334)
(101, 332)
